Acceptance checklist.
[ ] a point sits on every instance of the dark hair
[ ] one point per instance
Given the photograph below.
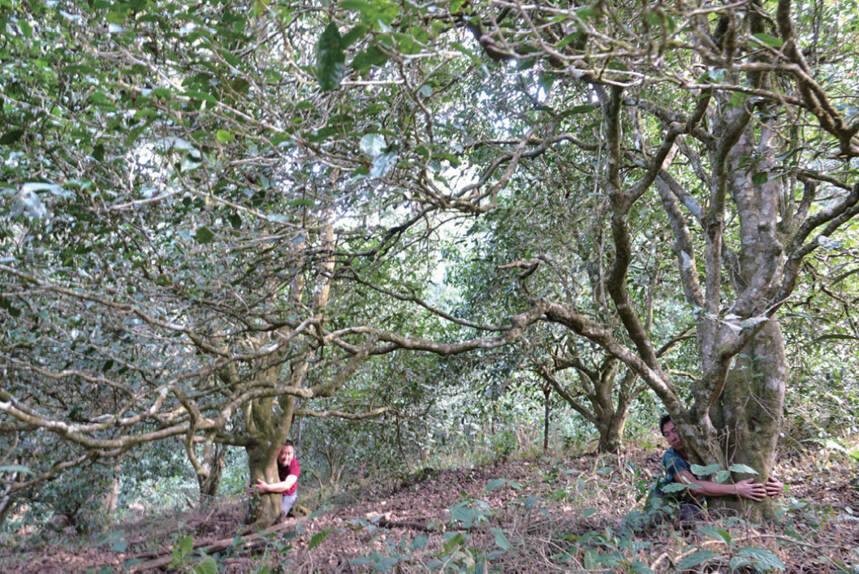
(288, 442)
(665, 419)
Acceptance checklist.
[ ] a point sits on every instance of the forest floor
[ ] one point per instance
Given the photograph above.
(545, 515)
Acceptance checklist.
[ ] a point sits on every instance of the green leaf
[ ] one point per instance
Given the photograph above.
(546, 81)
(16, 468)
(699, 470)
(695, 559)
(742, 469)
(568, 39)
(382, 563)
(11, 136)
(674, 487)
(419, 542)
(463, 513)
(762, 560)
(669, 21)
(25, 27)
(317, 538)
(760, 178)
(11, 309)
(714, 532)
(500, 539)
(352, 35)
(585, 13)
(183, 547)
(581, 109)
(835, 337)
(770, 41)
(98, 152)
(224, 136)
(117, 541)
(198, 95)
(330, 59)
(454, 541)
(204, 235)
(738, 562)
(206, 566)
(456, 6)
(370, 57)
(406, 43)
(379, 14)
(641, 568)
(235, 220)
(722, 476)
(495, 484)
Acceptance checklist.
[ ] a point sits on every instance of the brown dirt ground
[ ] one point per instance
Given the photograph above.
(545, 511)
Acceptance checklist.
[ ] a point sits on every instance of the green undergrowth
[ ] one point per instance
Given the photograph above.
(552, 513)
(567, 516)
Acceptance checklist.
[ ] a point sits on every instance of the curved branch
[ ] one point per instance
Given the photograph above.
(343, 414)
(592, 331)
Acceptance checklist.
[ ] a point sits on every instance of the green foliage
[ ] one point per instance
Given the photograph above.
(206, 566)
(696, 558)
(118, 541)
(504, 444)
(234, 478)
(83, 495)
(458, 553)
(470, 513)
(760, 559)
(181, 551)
(330, 60)
(318, 538)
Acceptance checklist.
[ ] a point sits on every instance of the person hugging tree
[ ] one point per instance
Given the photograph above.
(288, 472)
(676, 470)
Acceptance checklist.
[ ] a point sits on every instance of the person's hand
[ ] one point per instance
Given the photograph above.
(751, 490)
(261, 486)
(774, 487)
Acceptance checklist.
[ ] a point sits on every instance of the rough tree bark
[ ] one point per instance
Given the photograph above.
(209, 480)
(748, 413)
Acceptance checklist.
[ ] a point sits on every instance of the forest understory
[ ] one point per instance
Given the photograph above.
(544, 515)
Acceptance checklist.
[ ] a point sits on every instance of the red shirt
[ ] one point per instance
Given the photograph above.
(284, 471)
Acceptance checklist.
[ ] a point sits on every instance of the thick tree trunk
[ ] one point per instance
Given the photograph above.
(611, 432)
(264, 509)
(748, 415)
(271, 424)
